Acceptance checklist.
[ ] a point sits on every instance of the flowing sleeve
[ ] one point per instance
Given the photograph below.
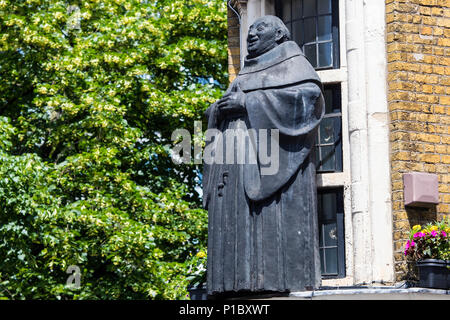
(296, 112)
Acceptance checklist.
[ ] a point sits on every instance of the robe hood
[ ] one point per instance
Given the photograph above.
(284, 65)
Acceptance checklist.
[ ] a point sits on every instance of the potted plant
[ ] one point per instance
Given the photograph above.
(429, 247)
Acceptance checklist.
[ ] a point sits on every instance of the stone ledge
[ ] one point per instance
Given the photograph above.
(400, 292)
(376, 293)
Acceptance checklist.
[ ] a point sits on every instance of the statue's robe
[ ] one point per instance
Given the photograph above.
(262, 229)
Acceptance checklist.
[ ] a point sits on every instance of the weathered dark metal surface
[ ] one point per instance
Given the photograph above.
(263, 233)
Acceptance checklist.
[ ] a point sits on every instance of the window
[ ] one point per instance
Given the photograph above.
(331, 232)
(314, 26)
(329, 137)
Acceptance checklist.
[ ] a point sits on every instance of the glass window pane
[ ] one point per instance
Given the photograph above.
(298, 32)
(324, 6)
(328, 158)
(325, 54)
(328, 141)
(329, 206)
(331, 261)
(328, 96)
(289, 26)
(324, 28)
(327, 130)
(332, 95)
(321, 237)
(286, 11)
(310, 30)
(330, 234)
(310, 53)
(309, 8)
(322, 265)
(297, 12)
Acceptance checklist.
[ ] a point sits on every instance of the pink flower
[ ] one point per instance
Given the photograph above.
(443, 233)
(434, 233)
(419, 235)
(409, 244)
(406, 251)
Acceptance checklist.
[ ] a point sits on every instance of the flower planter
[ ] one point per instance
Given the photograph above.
(434, 273)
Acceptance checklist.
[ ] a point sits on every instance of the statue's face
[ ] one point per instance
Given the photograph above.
(262, 37)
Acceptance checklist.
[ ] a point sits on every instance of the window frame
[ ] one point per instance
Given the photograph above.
(340, 230)
(337, 134)
(335, 31)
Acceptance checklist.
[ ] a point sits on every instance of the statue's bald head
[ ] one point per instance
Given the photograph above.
(278, 24)
(266, 33)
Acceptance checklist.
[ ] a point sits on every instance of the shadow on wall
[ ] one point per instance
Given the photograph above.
(422, 216)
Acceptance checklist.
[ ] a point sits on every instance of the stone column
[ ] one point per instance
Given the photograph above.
(361, 224)
(369, 142)
(378, 141)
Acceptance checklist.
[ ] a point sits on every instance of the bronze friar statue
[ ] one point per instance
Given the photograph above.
(263, 232)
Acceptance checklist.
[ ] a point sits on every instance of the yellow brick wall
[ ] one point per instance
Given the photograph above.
(418, 54)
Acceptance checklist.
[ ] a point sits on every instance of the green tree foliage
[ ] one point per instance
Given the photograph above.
(91, 91)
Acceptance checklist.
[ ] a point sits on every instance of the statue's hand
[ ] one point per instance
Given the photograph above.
(233, 103)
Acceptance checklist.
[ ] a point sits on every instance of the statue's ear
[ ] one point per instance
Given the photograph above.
(279, 35)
